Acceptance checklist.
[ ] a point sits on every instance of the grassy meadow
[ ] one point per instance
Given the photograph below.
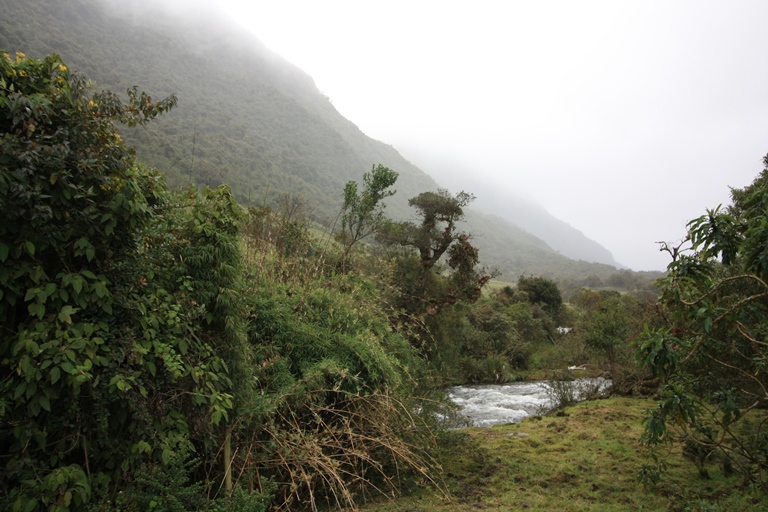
(584, 458)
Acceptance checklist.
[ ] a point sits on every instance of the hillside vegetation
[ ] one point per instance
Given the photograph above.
(247, 118)
(171, 349)
(155, 358)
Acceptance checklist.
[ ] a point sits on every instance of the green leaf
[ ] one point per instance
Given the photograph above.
(26, 368)
(100, 289)
(67, 367)
(4, 250)
(31, 293)
(37, 310)
(141, 447)
(20, 389)
(30, 247)
(65, 315)
(55, 374)
(44, 403)
(30, 506)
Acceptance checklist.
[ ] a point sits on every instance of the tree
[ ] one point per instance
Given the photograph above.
(440, 212)
(363, 213)
(541, 290)
(116, 297)
(68, 191)
(609, 322)
(711, 353)
(424, 290)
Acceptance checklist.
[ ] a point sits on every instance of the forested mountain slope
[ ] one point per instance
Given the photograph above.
(245, 116)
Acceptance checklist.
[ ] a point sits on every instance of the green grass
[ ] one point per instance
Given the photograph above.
(585, 459)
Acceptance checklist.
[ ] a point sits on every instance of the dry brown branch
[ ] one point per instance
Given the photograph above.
(728, 280)
(342, 453)
(743, 330)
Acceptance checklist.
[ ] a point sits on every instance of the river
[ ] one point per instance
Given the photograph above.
(493, 404)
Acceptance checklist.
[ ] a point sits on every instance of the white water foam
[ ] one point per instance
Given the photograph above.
(494, 404)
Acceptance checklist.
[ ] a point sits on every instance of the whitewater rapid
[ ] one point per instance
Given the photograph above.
(494, 404)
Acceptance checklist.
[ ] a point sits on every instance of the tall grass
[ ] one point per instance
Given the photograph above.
(331, 413)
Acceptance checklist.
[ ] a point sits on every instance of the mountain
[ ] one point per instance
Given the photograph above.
(533, 218)
(249, 118)
(512, 205)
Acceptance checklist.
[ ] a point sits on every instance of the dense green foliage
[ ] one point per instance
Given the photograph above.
(610, 324)
(153, 359)
(711, 352)
(112, 337)
(331, 410)
(542, 291)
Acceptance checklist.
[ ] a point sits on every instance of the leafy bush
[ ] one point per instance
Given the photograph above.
(116, 296)
(154, 360)
(564, 390)
(711, 355)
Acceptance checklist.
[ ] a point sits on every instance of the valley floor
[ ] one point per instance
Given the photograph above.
(585, 458)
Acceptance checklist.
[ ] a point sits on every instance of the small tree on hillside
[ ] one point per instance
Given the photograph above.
(607, 328)
(363, 212)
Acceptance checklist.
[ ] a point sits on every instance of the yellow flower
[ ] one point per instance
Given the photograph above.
(62, 67)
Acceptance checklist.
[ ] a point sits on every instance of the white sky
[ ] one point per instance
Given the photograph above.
(625, 119)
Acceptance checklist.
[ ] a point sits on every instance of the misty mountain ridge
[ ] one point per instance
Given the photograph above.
(499, 200)
(249, 118)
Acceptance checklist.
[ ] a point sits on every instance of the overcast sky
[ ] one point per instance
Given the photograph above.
(625, 119)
